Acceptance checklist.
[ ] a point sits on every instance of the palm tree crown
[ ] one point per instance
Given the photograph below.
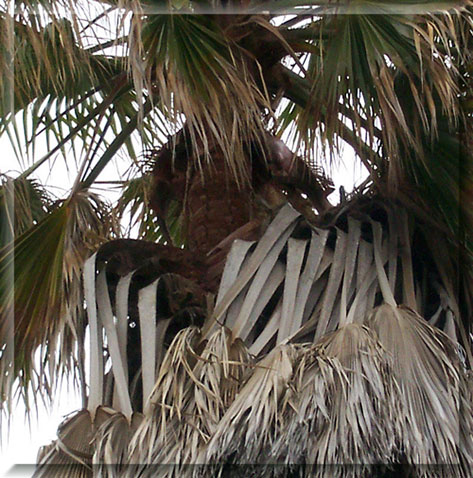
(250, 315)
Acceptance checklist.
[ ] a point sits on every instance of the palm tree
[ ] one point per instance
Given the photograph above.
(251, 322)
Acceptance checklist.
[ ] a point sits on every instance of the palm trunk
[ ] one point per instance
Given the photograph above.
(215, 206)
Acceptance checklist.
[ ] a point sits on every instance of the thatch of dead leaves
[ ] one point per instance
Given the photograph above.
(306, 358)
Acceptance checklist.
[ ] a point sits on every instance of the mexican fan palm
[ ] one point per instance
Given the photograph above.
(250, 322)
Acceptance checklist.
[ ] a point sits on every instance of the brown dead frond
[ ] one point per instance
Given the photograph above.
(111, 443)
(434, 425)
(253, 421)
(71, 454)
(340, 404)
(205, 392)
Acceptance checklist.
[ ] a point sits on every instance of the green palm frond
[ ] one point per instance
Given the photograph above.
(46, 261)
(23, 203)
(64, 90)
(442, 184)
(198, 71)
(48, 61)
(354, 65)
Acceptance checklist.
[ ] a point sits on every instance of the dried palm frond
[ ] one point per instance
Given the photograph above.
(338, 400)
(434, 425)
(319, 288)
(269, 246)
(205, 393)
(179, 404)
(158, 309)
(169, 398)
(223, 364)
(252, 422)
(111, 442)
(340, 405)
(71, 454)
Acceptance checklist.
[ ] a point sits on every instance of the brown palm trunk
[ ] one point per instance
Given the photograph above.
(216, 206)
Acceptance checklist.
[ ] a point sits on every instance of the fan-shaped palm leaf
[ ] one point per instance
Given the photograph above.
(46, 261)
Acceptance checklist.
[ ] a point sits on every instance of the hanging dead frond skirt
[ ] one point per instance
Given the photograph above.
(305, 364)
